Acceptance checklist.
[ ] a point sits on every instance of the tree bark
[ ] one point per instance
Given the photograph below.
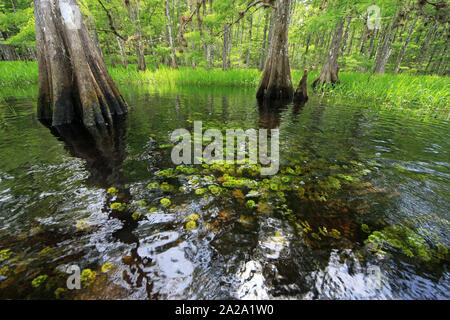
(74, 84)
(276, 81)
(405, 45)
(169, 30)
(329, 73)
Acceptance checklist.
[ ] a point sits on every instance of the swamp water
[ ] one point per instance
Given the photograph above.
(358, 210)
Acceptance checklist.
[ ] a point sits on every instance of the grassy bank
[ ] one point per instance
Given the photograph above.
(419, 93)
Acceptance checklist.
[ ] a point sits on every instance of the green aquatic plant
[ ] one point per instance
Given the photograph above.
(39, 280)
(112, 191)
(408, 241)
(200, 191)
(5, 254)
(137, 215)
(118, 206)
(4, 271)
(142, 204)
(106, 267)
(250, 204)
(59, 292)
(365, 228)
(87, 277)
(165, 202)
(153, 186)
(191, 225)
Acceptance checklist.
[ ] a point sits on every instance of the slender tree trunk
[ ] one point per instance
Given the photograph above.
(74, 84)
(142, 65)
(372, 42)
(349, 47)
(405, 45)
(123, 54)
(347, 29)
(249, 42)
(363, 42)
(226, 45)
(276, 81)
(13, 6)
(209, 47)
(240, 38)
(171, 42)
(428, 39)
(263, 47)
(382, 58)
(306, 50)
(330, 71)
(431, 58)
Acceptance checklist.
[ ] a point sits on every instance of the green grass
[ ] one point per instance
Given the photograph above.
(411, 92)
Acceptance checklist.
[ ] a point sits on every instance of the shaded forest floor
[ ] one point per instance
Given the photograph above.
(420, 94)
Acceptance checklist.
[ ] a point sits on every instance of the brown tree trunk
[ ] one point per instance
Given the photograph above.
(74, 84)
(329, 73)
(276, 80)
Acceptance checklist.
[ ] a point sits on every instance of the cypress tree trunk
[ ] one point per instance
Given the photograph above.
(329, 73)
(74, 84)
(276, 81)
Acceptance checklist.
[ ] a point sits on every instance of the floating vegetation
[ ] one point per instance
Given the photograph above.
(39, 280)
(112, 191)
(87, 277)
(409, 242)
(191, 225)
(118, 206)
(5, 254)
(165, 202)
(137, 215)
(106, 267)
(250, 204)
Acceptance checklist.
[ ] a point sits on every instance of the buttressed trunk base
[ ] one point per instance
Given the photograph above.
(276, 81)
(74, 84)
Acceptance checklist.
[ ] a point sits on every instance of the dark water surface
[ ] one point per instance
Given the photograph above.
(359, 209)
